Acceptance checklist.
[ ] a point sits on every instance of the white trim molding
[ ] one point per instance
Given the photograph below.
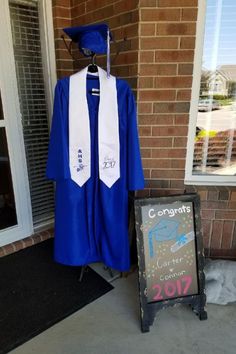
(16, 149)
(190, 178)
(48, 51)
(12, 115)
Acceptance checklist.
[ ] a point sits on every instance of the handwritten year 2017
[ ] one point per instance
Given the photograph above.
(179, 287)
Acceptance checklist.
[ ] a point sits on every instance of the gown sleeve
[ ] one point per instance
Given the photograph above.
(134, 168)
(58, 152)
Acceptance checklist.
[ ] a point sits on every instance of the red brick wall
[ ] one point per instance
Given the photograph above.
(167, 42)
(218, 221)
(61, 19)
(122, 18)
(156, 41)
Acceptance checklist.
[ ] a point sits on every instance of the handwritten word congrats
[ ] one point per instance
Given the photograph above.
(170, 212)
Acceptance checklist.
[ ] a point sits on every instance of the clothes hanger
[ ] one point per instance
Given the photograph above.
(92, 68)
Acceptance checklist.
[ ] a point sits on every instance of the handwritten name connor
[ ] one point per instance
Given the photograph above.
(173, 262)
(170, 212)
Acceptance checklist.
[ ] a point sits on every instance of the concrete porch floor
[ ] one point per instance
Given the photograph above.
(110, 325)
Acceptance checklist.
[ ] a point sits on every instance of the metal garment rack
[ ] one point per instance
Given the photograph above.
(93, 55)
(84, 269)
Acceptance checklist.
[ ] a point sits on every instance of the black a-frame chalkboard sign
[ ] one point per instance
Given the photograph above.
(170, 255)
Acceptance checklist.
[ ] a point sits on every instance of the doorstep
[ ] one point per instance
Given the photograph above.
(26, 242)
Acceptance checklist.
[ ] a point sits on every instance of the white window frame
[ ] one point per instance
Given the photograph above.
(190, 178)
(12, 114)
(49, 68)
(48, 51)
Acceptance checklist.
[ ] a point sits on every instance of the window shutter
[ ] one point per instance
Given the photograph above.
(31, 88)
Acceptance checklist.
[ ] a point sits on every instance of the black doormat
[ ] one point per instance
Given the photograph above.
(36, 293)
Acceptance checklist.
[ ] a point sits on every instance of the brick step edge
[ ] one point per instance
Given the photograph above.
(26, 242)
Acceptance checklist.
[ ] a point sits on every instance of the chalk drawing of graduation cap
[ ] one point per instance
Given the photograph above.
(165, 230)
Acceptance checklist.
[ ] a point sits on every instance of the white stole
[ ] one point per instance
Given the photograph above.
(79, 129)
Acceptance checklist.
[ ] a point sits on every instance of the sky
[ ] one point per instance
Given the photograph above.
(220, 34)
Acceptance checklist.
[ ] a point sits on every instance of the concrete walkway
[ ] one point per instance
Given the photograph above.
(110, 325)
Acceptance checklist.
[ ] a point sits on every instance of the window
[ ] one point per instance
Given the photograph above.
(211, 157)
(26, 35)
(27, 78)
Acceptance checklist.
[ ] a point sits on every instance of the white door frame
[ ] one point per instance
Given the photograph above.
(12, 114)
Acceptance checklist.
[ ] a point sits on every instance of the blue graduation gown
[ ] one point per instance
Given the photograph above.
(91, 222)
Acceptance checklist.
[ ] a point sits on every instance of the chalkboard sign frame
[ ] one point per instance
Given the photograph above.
(148, 310)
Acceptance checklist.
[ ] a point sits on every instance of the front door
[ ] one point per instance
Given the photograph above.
(26, 197)
(15, 208)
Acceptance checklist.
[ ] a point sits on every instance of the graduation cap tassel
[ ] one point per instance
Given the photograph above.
(108, 53)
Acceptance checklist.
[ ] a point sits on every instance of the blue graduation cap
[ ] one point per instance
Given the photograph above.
(92, 39)
(165, 230)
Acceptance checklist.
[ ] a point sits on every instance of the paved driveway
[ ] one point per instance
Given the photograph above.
(218, 120)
